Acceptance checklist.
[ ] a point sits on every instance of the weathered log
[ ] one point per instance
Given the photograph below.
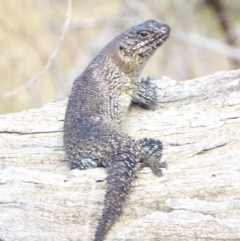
(198, 197)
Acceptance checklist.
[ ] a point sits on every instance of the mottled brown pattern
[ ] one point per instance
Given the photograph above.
(96, 109)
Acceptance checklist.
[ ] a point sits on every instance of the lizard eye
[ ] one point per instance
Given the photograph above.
(143, 34)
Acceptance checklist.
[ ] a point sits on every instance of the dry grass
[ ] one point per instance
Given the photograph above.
(30, 29)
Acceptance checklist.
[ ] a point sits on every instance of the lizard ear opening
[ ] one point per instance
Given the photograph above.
(120, 48)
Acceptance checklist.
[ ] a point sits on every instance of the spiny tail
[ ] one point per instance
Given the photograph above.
(120, 170)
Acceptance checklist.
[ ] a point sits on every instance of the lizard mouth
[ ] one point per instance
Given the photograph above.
(161, 39)
(156, 41)
(148, 47)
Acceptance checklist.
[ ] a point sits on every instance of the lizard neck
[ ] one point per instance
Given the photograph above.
(114, 64)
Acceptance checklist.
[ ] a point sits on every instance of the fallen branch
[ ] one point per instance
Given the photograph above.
(198, 197)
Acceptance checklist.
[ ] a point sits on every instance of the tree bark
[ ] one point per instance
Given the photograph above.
(197, 198)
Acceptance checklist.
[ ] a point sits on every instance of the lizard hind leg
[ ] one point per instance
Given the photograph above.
(151, 153)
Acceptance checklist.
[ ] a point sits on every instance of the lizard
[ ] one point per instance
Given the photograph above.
(96, 110)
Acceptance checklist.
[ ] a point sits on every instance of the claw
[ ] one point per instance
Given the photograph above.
(163, 165)
(146, 81)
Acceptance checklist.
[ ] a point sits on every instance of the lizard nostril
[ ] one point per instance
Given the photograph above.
(164, 30)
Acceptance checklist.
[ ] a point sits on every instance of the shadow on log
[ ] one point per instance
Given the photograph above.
(198, 197)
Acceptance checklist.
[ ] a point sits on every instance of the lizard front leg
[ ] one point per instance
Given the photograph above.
(144, 94)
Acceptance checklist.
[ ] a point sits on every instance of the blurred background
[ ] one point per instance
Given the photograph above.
(40, 67)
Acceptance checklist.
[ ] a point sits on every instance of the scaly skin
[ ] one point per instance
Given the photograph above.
(97, 107)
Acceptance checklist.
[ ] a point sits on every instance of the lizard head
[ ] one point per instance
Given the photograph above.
(141, 41)
(130, 50)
